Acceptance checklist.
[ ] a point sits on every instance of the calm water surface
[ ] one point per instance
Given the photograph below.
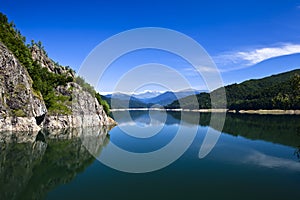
(256, 157)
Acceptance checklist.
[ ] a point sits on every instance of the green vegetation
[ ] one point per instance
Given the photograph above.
(57, 104)
(291, 98)
(85, 86)
(44, 82)
(266, 93)
(103, 103)
(280, 91)
(19, 113)
(90, 89)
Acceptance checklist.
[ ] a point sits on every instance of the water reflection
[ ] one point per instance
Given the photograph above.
(297, 153)
(45, 164)
(281, 129)
(32, 164)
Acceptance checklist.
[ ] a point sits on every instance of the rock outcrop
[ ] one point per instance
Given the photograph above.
(23, 109)
(86, 111)
(40, 57)
(20, 105)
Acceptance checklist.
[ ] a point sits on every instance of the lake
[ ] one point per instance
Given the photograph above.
(255, 157)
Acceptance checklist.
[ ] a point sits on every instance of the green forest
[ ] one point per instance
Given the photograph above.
(44, 82)
(281, 91)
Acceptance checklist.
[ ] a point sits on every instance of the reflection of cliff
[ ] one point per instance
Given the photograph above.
(29, 170)
(281, 129)
(16, 166)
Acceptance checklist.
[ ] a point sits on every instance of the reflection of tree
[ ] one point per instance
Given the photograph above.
(29, 170)
(281, 129)
(297, 150)
(17, 161)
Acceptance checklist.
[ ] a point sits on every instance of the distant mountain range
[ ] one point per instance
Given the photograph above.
(147, 94)
(281, 91)
(147, 99)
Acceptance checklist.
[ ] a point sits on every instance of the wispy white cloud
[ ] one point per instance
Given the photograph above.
(258, 55)
(235, 60)
(191, 71)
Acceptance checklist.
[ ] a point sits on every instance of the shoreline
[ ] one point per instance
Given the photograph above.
(260, 111)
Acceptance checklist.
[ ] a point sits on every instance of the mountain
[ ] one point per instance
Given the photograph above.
(162, 99)
(121, 96)
(147, 94)
(168, 97)
(281, 91)
(36, 92)
(120, 100)
(137, 101)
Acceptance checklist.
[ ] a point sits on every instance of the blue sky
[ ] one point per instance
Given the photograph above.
(246, 39)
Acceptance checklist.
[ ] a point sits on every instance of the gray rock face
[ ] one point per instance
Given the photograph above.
(19, 104)
(39, 56)
(21, 108)
(86, 111)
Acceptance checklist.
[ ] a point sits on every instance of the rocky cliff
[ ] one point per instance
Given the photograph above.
(23, 109)
(39, 55)
(86, 111)
(20, 105)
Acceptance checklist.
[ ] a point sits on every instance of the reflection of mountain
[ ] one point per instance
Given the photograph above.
(29, 170)
(281, 129)
(145, 117)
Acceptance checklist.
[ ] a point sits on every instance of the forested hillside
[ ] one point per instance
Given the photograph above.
(281, 91)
